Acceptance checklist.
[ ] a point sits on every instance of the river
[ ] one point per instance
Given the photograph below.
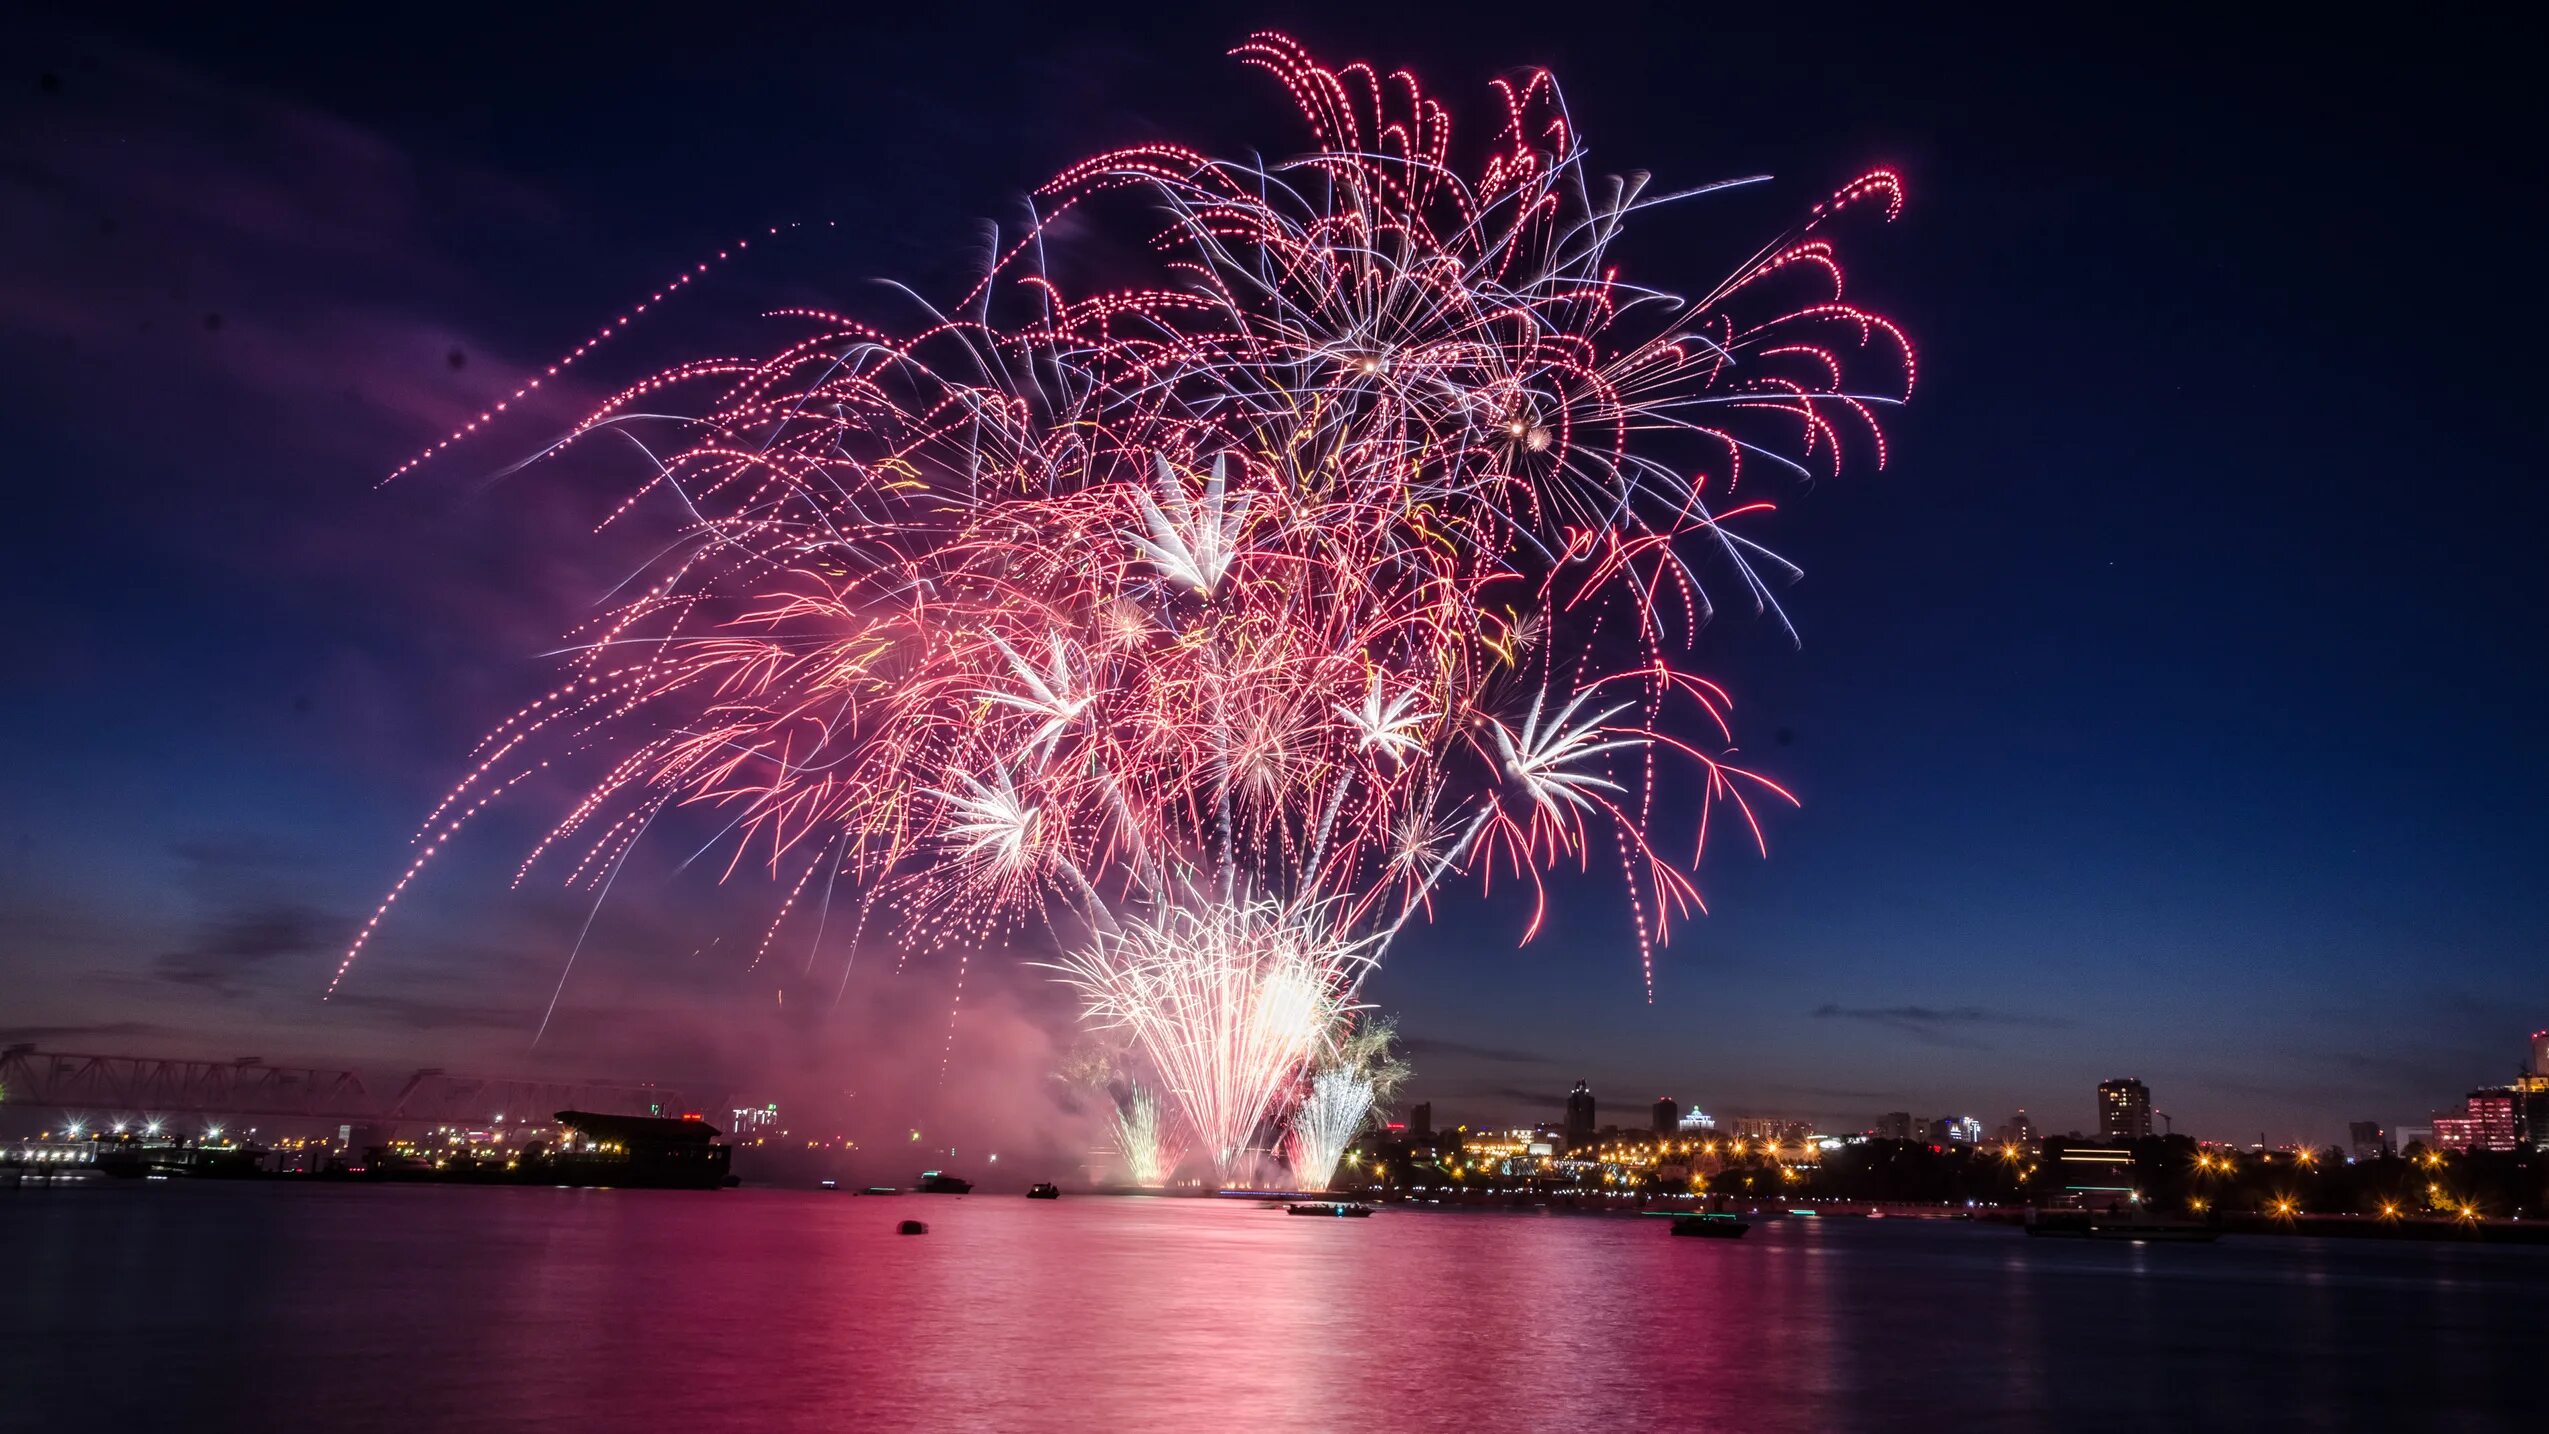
(263, 1308)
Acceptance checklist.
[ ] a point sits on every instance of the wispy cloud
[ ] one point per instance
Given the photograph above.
(1825, 1092)
(97, 1030)
(1462, 1050)
(1939, 1025)
(234, 943)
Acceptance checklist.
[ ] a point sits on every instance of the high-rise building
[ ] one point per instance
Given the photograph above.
(2020, 1130)
(1580, 1126)
(1894, 1125)
(1668, 1116)
(2124, 1110)
(2455, 1133)
(1420, 1120)
(2531, 1109)
(2494, 1115)
(2368, 1139)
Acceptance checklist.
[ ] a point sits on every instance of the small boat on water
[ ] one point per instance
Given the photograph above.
(1710, 1226)
(1044, 1190)
(827, 1184)
(881, 1190)
(939, 1182)
(1338, 1209)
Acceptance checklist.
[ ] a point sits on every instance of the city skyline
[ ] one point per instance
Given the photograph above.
(2121, 1108)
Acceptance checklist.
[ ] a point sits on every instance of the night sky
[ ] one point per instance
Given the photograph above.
(2169, 707)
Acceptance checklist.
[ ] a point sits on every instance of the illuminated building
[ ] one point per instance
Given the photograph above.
(1668, 1116)
(2368, 1140)
(1953, 1130)
(1580, 1127)
(753, 1121)
(1698, 1122)
(2493, 1115)
(2533, 1085)
(2455, 1133)
(2019, 1130)
(2124, 1110)
(1774, 1129)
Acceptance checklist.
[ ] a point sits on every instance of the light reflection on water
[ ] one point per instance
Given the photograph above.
(259, 1308)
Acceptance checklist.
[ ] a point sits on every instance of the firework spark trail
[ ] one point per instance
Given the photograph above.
(1344, 1092)
(1145, 1140)
(1227, 1001)
(1329, 1116)
(1354, 550)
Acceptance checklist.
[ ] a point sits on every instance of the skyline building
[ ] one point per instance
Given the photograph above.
(2124, 1110)
(1894, 1125)
(2494, 1116)
(2019, 1130)
(1776, 1129)
(1580, 1126)
(1698, 1122)
(1420, 1120)
(2455, 1133)
(1668, 1116)
(2367, 1140)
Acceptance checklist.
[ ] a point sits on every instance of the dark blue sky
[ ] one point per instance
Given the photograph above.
(2170, 707)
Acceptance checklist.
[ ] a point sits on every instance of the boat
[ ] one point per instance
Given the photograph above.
(1334, 1208)
(911, 1227)
(1044, 1190)
(881, 1190)
(1710, 1226)
(939, 1182)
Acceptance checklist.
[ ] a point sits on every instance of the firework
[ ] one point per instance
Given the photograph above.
(1206, 624)
(1145, 1139)
(1227, 1000)
(1344, 1093)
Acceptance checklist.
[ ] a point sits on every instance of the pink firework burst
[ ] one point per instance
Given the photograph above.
(1356, 549)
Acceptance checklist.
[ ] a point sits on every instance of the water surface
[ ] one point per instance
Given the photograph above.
(209, 1307)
